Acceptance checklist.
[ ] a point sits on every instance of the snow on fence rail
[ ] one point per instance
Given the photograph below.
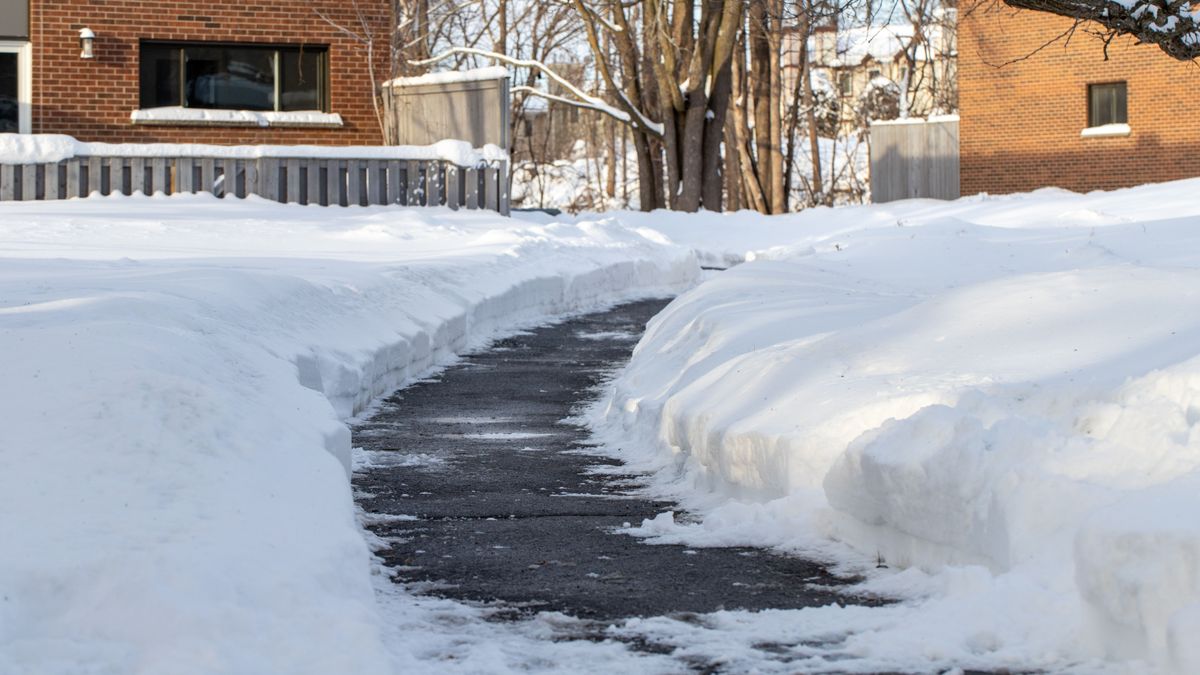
(467, 179)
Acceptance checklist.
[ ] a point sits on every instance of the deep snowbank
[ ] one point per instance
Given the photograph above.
(175, 371)
(1012, 383)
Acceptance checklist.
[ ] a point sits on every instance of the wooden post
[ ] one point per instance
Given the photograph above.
(159, 180)
(354, 182)
(184, 175)
(434, 187)
(272, 189)
(334, 187)
(207, 176)
(471, 175)
(505, 202)
(50, 182)
(74, 178)
(491, 188)
(137, 176)
(28, 182)
(313, 167)
(95, 176)
(252, 187)
(293, 182)
(229, 172)
(454, 196)
(7, 182)
(393, 174)
(374, 186)
(116, 176)
(414, 183)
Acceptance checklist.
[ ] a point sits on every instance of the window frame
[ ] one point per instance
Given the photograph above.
(845, 84)
(1092, 88)
(24, 52)
(324, 100)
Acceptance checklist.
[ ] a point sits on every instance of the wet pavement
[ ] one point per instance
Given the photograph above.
(485, 495)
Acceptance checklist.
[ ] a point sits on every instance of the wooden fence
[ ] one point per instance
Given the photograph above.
(914, 158)
(343, 182)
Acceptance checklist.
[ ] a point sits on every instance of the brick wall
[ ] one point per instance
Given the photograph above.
(92, 99)
(1021, 122)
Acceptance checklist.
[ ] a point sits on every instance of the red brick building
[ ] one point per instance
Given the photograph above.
(219, 71)
(1064, 116)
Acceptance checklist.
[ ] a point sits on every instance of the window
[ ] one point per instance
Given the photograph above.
(10, 115)
(234, 77)
(1107, 104)
(846, 84)
(874, 73)
(15, 90)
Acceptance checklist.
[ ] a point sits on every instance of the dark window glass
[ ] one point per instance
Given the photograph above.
(1107, 104)
(10, 111)
(239, 78)
(302, 79)
(234, 77)
(160, 76)
(846, 84)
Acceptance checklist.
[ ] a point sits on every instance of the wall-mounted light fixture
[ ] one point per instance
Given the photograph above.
(87, 40)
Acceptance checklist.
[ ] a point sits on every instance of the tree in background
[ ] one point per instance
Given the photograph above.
(691, 90)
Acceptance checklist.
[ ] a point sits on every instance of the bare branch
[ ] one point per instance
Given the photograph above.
(1170, 24)
(640, 121)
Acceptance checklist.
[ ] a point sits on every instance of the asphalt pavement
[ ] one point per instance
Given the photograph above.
(486, 495)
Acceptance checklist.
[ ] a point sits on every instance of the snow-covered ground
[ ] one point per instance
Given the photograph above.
(997, 398)
(177, 373)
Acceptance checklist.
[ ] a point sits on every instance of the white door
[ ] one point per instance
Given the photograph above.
(16, 87)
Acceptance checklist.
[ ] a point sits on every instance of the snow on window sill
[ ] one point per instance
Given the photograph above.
(1106, 131)
(176, 116)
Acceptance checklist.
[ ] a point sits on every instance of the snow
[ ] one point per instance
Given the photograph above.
(173, 441)
(1106, 130)
(577, 184)
(916, 120)
(451, 77)
(998, 396)
(178, 115)
(879, 43)
(49, 148)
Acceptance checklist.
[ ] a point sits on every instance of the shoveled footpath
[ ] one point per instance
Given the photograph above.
(506, 511)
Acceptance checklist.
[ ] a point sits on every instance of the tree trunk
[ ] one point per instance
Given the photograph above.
(733, 176)
(775, 107)
(760, 94)
(610, 158)
(713, 136)
(814, 146)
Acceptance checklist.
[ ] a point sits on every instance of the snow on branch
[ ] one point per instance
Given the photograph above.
(584, 99)
(620, 115)
(1173, 25)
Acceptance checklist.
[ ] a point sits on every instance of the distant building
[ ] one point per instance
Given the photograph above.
(850, 62)
(1038, 111)
(546, 130)
(228, 72)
